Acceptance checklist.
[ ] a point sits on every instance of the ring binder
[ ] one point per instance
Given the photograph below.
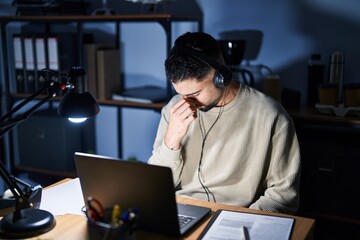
(29, 65)
(18, 63)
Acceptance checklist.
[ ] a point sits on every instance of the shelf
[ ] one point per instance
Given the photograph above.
(311, 114)
(111, 18)
(157, 106)
(163, 19)
(131, 104)
(63, 174)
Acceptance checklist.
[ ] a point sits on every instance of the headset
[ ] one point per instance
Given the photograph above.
(223, 74)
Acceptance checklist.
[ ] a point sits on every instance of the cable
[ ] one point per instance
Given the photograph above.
(204, 136)
(206, 189)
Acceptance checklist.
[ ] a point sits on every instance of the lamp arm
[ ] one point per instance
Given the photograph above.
(50, 85)
(22, 104)
(14, 188)
(6, 124)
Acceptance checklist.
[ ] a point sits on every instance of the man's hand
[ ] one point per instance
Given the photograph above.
(181, 115)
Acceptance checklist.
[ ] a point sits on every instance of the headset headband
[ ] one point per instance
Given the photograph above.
(223, 75)
(199, 55)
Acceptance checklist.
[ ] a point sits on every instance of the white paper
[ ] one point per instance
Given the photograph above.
(238, 225)
(65, 198)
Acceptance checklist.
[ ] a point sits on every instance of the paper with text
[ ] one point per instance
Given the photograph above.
(238, 225)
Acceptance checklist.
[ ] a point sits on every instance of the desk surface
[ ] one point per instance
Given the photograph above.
(74, 226)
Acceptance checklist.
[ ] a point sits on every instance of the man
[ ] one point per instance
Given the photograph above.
(224, 141)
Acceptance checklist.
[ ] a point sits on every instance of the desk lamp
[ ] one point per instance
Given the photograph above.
(27, 220)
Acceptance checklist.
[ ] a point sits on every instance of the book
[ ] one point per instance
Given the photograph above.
(91, 66)
(61, 55)
(227, 224)
(144, 94)
(108, 72)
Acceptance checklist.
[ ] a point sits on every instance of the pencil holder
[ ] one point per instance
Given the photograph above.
(105, 230)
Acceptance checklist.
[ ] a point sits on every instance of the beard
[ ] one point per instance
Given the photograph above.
(211, 105)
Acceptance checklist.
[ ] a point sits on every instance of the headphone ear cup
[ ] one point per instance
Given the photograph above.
(223, 76)
(218, 80)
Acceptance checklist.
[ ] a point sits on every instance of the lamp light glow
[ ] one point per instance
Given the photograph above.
(77, 120)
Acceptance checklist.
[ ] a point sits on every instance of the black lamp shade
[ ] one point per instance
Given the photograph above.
(78, 105)
(233, 51)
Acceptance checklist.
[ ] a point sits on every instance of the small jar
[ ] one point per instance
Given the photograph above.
(352, 94)
(328, 94)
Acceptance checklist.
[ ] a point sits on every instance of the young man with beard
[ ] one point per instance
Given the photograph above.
(225, 141)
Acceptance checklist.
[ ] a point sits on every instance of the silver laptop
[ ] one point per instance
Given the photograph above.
(147, 187)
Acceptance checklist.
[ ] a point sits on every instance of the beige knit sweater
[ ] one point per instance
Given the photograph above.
(250, 156)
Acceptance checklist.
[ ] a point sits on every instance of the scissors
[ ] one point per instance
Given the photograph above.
(94, 210)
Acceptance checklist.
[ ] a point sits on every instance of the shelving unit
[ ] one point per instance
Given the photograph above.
(165, 20)
(330, 156)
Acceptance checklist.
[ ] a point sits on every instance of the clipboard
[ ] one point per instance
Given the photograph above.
(240, 225)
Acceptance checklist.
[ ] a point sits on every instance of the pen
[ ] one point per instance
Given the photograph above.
(115, 214)
(244, 232)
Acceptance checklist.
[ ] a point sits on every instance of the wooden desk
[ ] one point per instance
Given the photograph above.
(74, 226)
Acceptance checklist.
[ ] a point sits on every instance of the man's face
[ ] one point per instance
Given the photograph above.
(204, 95)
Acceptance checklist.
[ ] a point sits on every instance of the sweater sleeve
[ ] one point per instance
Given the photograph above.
(164, 156)
(282, 179)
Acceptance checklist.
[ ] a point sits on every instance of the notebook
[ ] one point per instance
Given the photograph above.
(147, 187)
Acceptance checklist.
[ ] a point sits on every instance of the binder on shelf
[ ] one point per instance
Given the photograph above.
(145, 94)
(108, 72)
(53, 54)
(40, 56)
(29, 64)
(61, 50)
(91, 66)
(19, 63)
(66, 44)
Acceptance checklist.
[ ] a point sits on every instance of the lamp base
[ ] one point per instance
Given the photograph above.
(7, 205)
(32, 222)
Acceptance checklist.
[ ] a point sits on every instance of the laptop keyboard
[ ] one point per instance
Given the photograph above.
(185, 220)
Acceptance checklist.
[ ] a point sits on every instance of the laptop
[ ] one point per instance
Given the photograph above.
(148, 188)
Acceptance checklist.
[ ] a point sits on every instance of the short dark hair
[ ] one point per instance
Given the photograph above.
(180, 65)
